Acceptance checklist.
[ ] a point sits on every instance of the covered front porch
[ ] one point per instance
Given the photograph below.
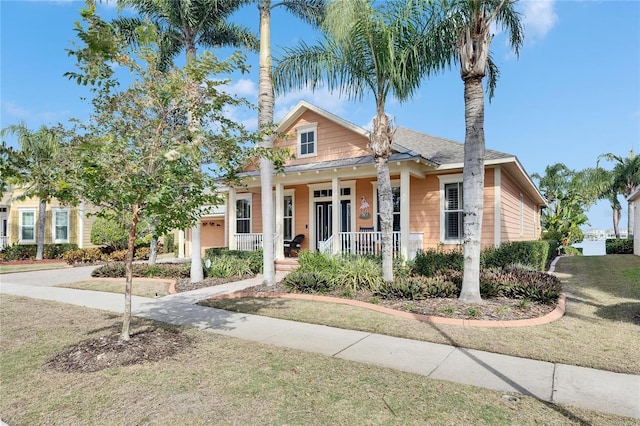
(334, 210)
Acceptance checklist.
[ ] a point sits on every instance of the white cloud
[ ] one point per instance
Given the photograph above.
(321, 97)
(243, 87)
(539, 17)
(15, 113)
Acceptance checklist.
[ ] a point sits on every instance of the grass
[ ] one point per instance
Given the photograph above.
(222, 380)
(599, 329)
(140, 287)
(26, 267)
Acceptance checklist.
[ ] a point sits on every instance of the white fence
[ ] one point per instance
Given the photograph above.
(4, 241)
(251, 242)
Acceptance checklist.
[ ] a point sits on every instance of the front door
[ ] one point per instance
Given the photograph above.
(324, 227)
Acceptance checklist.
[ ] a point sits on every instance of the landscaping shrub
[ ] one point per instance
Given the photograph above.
(86, 255)
(537, 286)
(109, 233)
(619, 246)
(165, 270)
(141, 253)
(169, 243)
(432, 261)
(418, 288)
(228, 266)
(357, 273)
(534, 253)
(307, 282)
(572, 251)
(118, 255)
(28, 251)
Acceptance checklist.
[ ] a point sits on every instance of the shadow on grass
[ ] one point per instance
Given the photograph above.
(626, 312)
(568, 414)
(249, 305)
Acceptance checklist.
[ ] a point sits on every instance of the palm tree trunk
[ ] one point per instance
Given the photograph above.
(126, 321)
(616, 222)
(380, 145)
(42, 223)
(196, 273)
(265, 121)
(473, 188)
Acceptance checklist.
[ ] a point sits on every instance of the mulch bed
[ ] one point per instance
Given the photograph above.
(109, 351)
(493, 309)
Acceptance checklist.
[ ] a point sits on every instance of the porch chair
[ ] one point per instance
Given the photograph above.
(294, 244)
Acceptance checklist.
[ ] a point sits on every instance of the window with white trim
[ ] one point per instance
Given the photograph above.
(453, 217)
(60, 225)
(451, 209)
(27, 224)
(288, 217)
(243, 214)
(395, 201)
(307, 141)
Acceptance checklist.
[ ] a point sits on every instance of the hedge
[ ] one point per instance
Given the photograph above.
(619, 246)
(28, 251)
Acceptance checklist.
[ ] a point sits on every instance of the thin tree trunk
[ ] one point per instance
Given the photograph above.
(126, 321)
(473, 188)
(153, 251)
(265, 121)
(42, 223)
(380, 145)
(616, 222)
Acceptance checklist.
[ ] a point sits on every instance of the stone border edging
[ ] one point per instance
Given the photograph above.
(557, 313)
(171, 282)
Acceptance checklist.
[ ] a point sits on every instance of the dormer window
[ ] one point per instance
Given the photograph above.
(307, 140)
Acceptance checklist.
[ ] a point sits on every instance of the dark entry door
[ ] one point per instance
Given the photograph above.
(324, 227)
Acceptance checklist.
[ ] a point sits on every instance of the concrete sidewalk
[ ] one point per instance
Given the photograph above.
(557, 383)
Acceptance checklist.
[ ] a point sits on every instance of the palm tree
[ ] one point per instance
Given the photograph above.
(367, 48)
(466, 26)
(312, 12)
(38, 177)
(184, 24)
(625, 178)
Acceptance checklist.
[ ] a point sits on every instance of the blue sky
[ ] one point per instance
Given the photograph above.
(573, 93)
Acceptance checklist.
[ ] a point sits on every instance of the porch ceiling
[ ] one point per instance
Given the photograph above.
(348, 168)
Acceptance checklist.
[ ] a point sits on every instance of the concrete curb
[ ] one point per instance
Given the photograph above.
(558, 312)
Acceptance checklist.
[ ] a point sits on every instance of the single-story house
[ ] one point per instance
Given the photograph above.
(64, 224)
(328, 193)
(634, 203)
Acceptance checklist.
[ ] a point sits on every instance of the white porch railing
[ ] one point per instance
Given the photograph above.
(368, 243)
(252, 241)
(4, 241)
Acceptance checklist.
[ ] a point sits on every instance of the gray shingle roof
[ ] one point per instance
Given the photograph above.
(437, 150)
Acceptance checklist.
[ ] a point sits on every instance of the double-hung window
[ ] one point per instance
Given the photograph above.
(451, 209)
(307, 140)
(60, 225)
(288, 217)
(27, 224)
(243, 216)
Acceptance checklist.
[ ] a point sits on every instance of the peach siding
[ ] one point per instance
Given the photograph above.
(333, 142)
(511, 213)
(301, 212)
(424, 210)
(212, 234)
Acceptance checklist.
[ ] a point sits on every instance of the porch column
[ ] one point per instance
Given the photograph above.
(335, 213)
(233, 215)
(181, 240)
(405, 197)
(279, 228)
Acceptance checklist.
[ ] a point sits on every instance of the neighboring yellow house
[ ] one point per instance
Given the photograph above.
(328, 193)
(64, 224)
